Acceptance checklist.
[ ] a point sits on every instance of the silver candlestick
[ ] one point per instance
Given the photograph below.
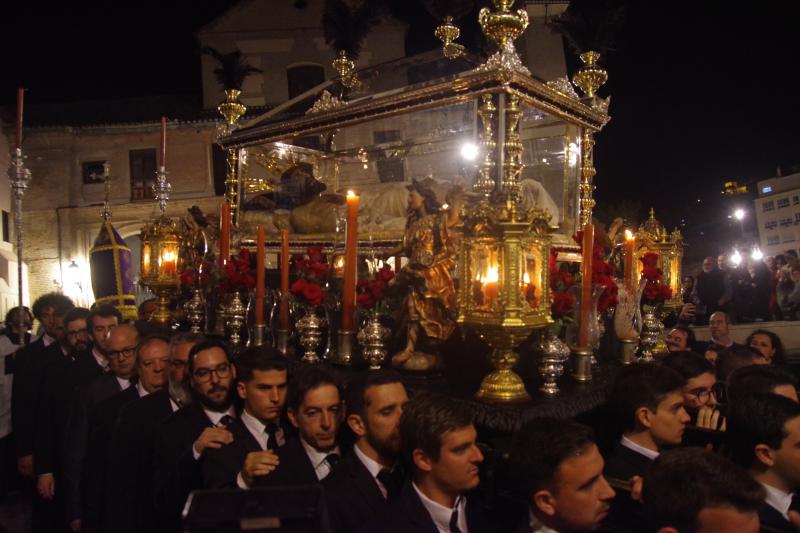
(19, 178)
(236, 315)
(194, 310)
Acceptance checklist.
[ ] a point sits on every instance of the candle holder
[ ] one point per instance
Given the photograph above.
(161, 261)
(310, 329)
(282, 342)
(582, 364)
(259, 335)
(627, 350)
(555, 353)
(654, 238)
(372, 337)
(195, 310)
(345, 348)
(236, 316)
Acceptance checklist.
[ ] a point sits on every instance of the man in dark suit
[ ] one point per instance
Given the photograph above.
(368, 476)
(694, 490)
(763, 436)
(258, 432)
(152, 355)
(184, 437)
(439, 442)
(647, 402)
(557, 469)
(118, 347)
(130, 506)
(314, 407)
(29, 369)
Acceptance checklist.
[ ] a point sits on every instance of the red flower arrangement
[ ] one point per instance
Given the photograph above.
(237, 273)
(370, 293)
(313, 272)
(601, 274)
(655, 292)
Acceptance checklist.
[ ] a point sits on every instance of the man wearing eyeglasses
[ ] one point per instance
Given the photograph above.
(129, 484)
(185, 435)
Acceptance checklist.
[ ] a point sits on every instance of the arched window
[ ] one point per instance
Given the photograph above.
(304, 77)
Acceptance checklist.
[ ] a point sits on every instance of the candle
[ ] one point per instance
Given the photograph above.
(260, 277)
(168, 262)
(145, 260)
(350, 262)
(20, 98)
(490, 287)
(338, 267)
(284, 310)
(163, 144)
(586, 286)
(630, 271)
(224, 234)
(526, 287)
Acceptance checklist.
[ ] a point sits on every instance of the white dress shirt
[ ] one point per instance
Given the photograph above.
(101, 361)
(536, 526)
(256, 428)
(123, 383)
(778, 500)
(373, 467)
(441, 515)
(318, 459)
(647, 452)
(141, 390)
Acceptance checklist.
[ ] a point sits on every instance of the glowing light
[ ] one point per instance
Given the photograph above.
(469, 151)
(628, 234)
(736, 258)
(739, 214)
(526, 279)
(757, 255)
(492, 275)
(572, 154)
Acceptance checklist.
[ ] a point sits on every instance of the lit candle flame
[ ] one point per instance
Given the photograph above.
(351, 194)
(628, 234)
(492, 275)
(526, 278)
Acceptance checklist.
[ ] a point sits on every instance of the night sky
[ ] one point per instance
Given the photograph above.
(701, 91)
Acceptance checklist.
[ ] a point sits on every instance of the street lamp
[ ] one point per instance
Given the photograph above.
(736, 258)
(757, 255)
(739, 214)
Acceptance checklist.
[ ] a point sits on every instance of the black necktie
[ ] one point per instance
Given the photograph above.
(795, 505)
(272, 436)
(389, 482)
(225, 421)
(332, 459)
(454, 522)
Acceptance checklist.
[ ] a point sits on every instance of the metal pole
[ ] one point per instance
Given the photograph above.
(19, 178)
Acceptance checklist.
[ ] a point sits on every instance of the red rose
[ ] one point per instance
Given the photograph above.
(319, 271)
(562, 304)
(651, 273)
(315, 254)
(385, 274)
(365, 300)
(248, 281)
(376, 288)
(188, 277)
(313, 293)
(298, 286)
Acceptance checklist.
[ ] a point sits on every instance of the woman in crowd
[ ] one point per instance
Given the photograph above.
(769, 344)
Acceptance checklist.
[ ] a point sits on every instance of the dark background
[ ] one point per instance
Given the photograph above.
(702, 92)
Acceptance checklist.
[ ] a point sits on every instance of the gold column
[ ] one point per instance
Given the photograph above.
(586, 187)
(232, 109)
(485, 184)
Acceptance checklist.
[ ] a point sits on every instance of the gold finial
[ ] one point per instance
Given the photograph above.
(447, 32)
(652, 214)
(503, 26)
(345, 68)
(591, 76)
(232, 109)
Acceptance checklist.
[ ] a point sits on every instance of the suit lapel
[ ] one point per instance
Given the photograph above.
(365, 483)
(415, 510)
(247, 440)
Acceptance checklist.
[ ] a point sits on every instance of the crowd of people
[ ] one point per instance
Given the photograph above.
(752, 291)
(112, 429)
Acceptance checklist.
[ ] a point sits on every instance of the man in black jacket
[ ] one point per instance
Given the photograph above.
(184, 437)
(763, 436)
(439, 442)
(129, 486)
(258, 433)
(29, 369)
(314, 407)
(647, 402)
(368, 476)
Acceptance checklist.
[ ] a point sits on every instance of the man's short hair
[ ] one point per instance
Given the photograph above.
(757, 419)
(757, 379)
(60, 304)
(680, 483)
(426, 418)
(147, 340)
(207, 344)
(184, 337)
(355, 398)
(538, 450)
(76, 313)
(261, 358)
(793, 253)
(103, 311)
(305, 380)
(736, 356)
(724, 315)
(688, 364)
(641, 385)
